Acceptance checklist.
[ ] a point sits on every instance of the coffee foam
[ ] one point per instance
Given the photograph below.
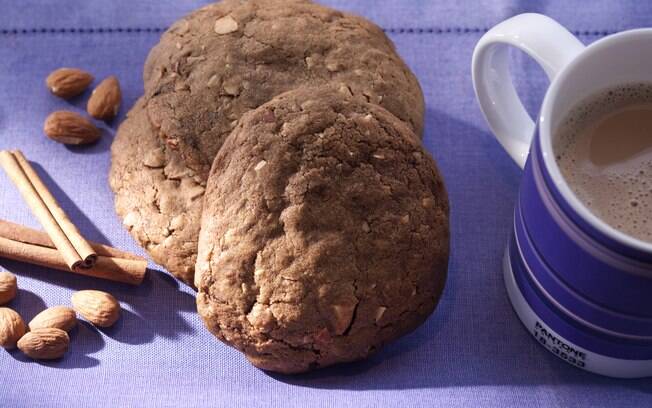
(611, 176)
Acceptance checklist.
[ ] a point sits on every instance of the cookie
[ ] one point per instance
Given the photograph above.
(324, 233)
(156, 195)
(232, 56)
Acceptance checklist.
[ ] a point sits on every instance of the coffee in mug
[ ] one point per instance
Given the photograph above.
(604, 150)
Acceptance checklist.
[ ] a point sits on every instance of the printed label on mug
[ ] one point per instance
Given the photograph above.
(558, 346)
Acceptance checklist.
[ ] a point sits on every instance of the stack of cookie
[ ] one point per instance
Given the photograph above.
(275, 163)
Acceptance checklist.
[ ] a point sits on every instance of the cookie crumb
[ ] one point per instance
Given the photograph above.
(231, 89)
(379, 313)
(212, 81)
(196, 192)
(225, 25)
(155, 158)
(130, 219)
(182, 27)
(333, 66)
(342, 316)
(192, 60)
(260, 165)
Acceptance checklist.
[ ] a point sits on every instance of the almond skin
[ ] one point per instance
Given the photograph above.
(68, 82)
(99, 308)
(44, 344)
(12, 328)
(8, 287)
(58, 317)
(70, 128)
(104, 103)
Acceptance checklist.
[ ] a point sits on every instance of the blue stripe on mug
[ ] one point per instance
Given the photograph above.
(565, 326)
(577, 307)
(574, 304)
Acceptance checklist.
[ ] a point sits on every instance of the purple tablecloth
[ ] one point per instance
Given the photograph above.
(472, 352)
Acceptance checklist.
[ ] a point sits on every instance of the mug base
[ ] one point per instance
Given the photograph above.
(556, 344)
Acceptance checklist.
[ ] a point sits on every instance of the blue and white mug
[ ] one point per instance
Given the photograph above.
(581, 287)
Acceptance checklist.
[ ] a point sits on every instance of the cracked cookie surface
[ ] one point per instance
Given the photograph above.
(156, 195)
(232, 56)
(324, 233)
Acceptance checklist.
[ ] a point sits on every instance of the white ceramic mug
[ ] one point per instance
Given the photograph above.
(582, 288)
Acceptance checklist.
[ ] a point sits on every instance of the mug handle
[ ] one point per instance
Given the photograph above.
(543, 39)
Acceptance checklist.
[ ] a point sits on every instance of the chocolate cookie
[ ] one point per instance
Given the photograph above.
(324, 233)
(158, 198)
(229, 57)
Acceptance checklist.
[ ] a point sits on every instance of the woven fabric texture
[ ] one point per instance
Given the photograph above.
(472, 352)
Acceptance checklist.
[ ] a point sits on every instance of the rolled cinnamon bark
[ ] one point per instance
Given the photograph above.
(21, 233)
(131, 271)
(79, 243)
(40, 210)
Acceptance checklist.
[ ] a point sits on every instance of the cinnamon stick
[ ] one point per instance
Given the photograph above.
(131, 271)
(83, 248)
(74, 249)
(21, 233)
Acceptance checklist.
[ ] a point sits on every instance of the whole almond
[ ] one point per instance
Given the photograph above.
(97, 307)
(104, 103)
(44, 344)
(68, 82)
(58, 317)
(70, 128)
(12, 328)
(8, 287)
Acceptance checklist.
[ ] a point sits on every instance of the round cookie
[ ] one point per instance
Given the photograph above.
(158, 198)
(324, 233)
(232, 56)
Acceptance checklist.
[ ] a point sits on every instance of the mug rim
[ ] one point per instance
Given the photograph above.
(545, 141)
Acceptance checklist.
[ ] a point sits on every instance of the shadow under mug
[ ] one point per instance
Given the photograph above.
(582, 288)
